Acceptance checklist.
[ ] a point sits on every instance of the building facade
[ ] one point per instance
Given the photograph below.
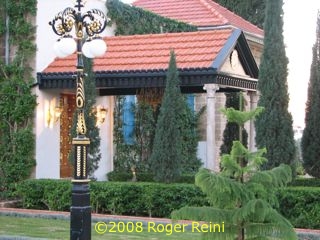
(232, 66)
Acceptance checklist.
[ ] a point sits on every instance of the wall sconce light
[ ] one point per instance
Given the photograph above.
(52, 116)
(101, 114)
(48, 118)
(57, 113)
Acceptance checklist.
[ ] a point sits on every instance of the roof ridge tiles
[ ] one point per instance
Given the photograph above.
(213, 10)
(201, 32)
(237, 16)
(209, 13)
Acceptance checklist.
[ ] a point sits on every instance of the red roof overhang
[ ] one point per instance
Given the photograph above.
(137, 61)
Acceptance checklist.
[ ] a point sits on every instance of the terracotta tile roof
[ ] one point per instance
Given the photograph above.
(151, 52)
(201, 13)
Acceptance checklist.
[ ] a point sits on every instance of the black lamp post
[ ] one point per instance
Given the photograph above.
(86, 26)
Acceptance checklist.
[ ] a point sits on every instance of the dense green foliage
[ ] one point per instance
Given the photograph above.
(144, 131)
(299, 205)
(188, 122)
(131, 20)
(167, 155)
(134, 156)
(17, 102)
(306, 182)
(251, 10)
(122, 159)
(274, 126)
(125, 198)
(144, 177)
(93, 134)
(310, 142)
(231, 131)
(241, 195)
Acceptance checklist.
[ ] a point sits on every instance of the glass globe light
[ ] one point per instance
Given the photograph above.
(57, 49)
(98, 47)
(86, 49)
(68, 45)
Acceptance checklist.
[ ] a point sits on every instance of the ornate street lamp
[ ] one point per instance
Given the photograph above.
(86, 27)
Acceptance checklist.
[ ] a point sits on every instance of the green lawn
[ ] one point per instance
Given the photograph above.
(59, 229)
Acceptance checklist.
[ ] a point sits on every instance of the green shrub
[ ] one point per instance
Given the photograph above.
(298, 204)
(124, 198)
(128, 176)
(144, 177)
(143, 199)
(119, 176)
(45, 194)
(301, 206)
(306, 182)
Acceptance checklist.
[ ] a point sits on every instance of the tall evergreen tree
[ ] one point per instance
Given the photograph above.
(254, 12)
(310, 142)
(188, 122)
(274, 126)
(145, 125)
(166, 156)
(93, 134)
(231, 131)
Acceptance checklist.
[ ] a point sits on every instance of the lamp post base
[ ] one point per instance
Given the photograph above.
(80, 211)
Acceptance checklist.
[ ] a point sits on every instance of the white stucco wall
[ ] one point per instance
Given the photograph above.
(47, 136)
(106, 134)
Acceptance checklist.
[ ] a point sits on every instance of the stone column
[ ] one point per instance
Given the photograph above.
(252, 130)
(212, 162)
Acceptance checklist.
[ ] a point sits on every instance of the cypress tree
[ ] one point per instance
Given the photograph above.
(231, 131)
(166, 155)
(310, 142)
(274, 126)
(188, 122)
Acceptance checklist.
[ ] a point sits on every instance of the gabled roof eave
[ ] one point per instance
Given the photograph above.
(237, 40)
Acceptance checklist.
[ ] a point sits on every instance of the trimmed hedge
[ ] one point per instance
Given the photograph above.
(123, 198)
(306, 182)
(45, 194)
(143, 177)
(300, 205)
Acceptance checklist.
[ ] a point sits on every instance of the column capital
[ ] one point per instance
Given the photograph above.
(254, 96)
(211, 89)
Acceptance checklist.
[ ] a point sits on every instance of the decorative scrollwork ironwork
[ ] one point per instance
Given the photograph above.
(93, 21)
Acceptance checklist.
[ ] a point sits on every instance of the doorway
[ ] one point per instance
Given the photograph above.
(68, 105)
